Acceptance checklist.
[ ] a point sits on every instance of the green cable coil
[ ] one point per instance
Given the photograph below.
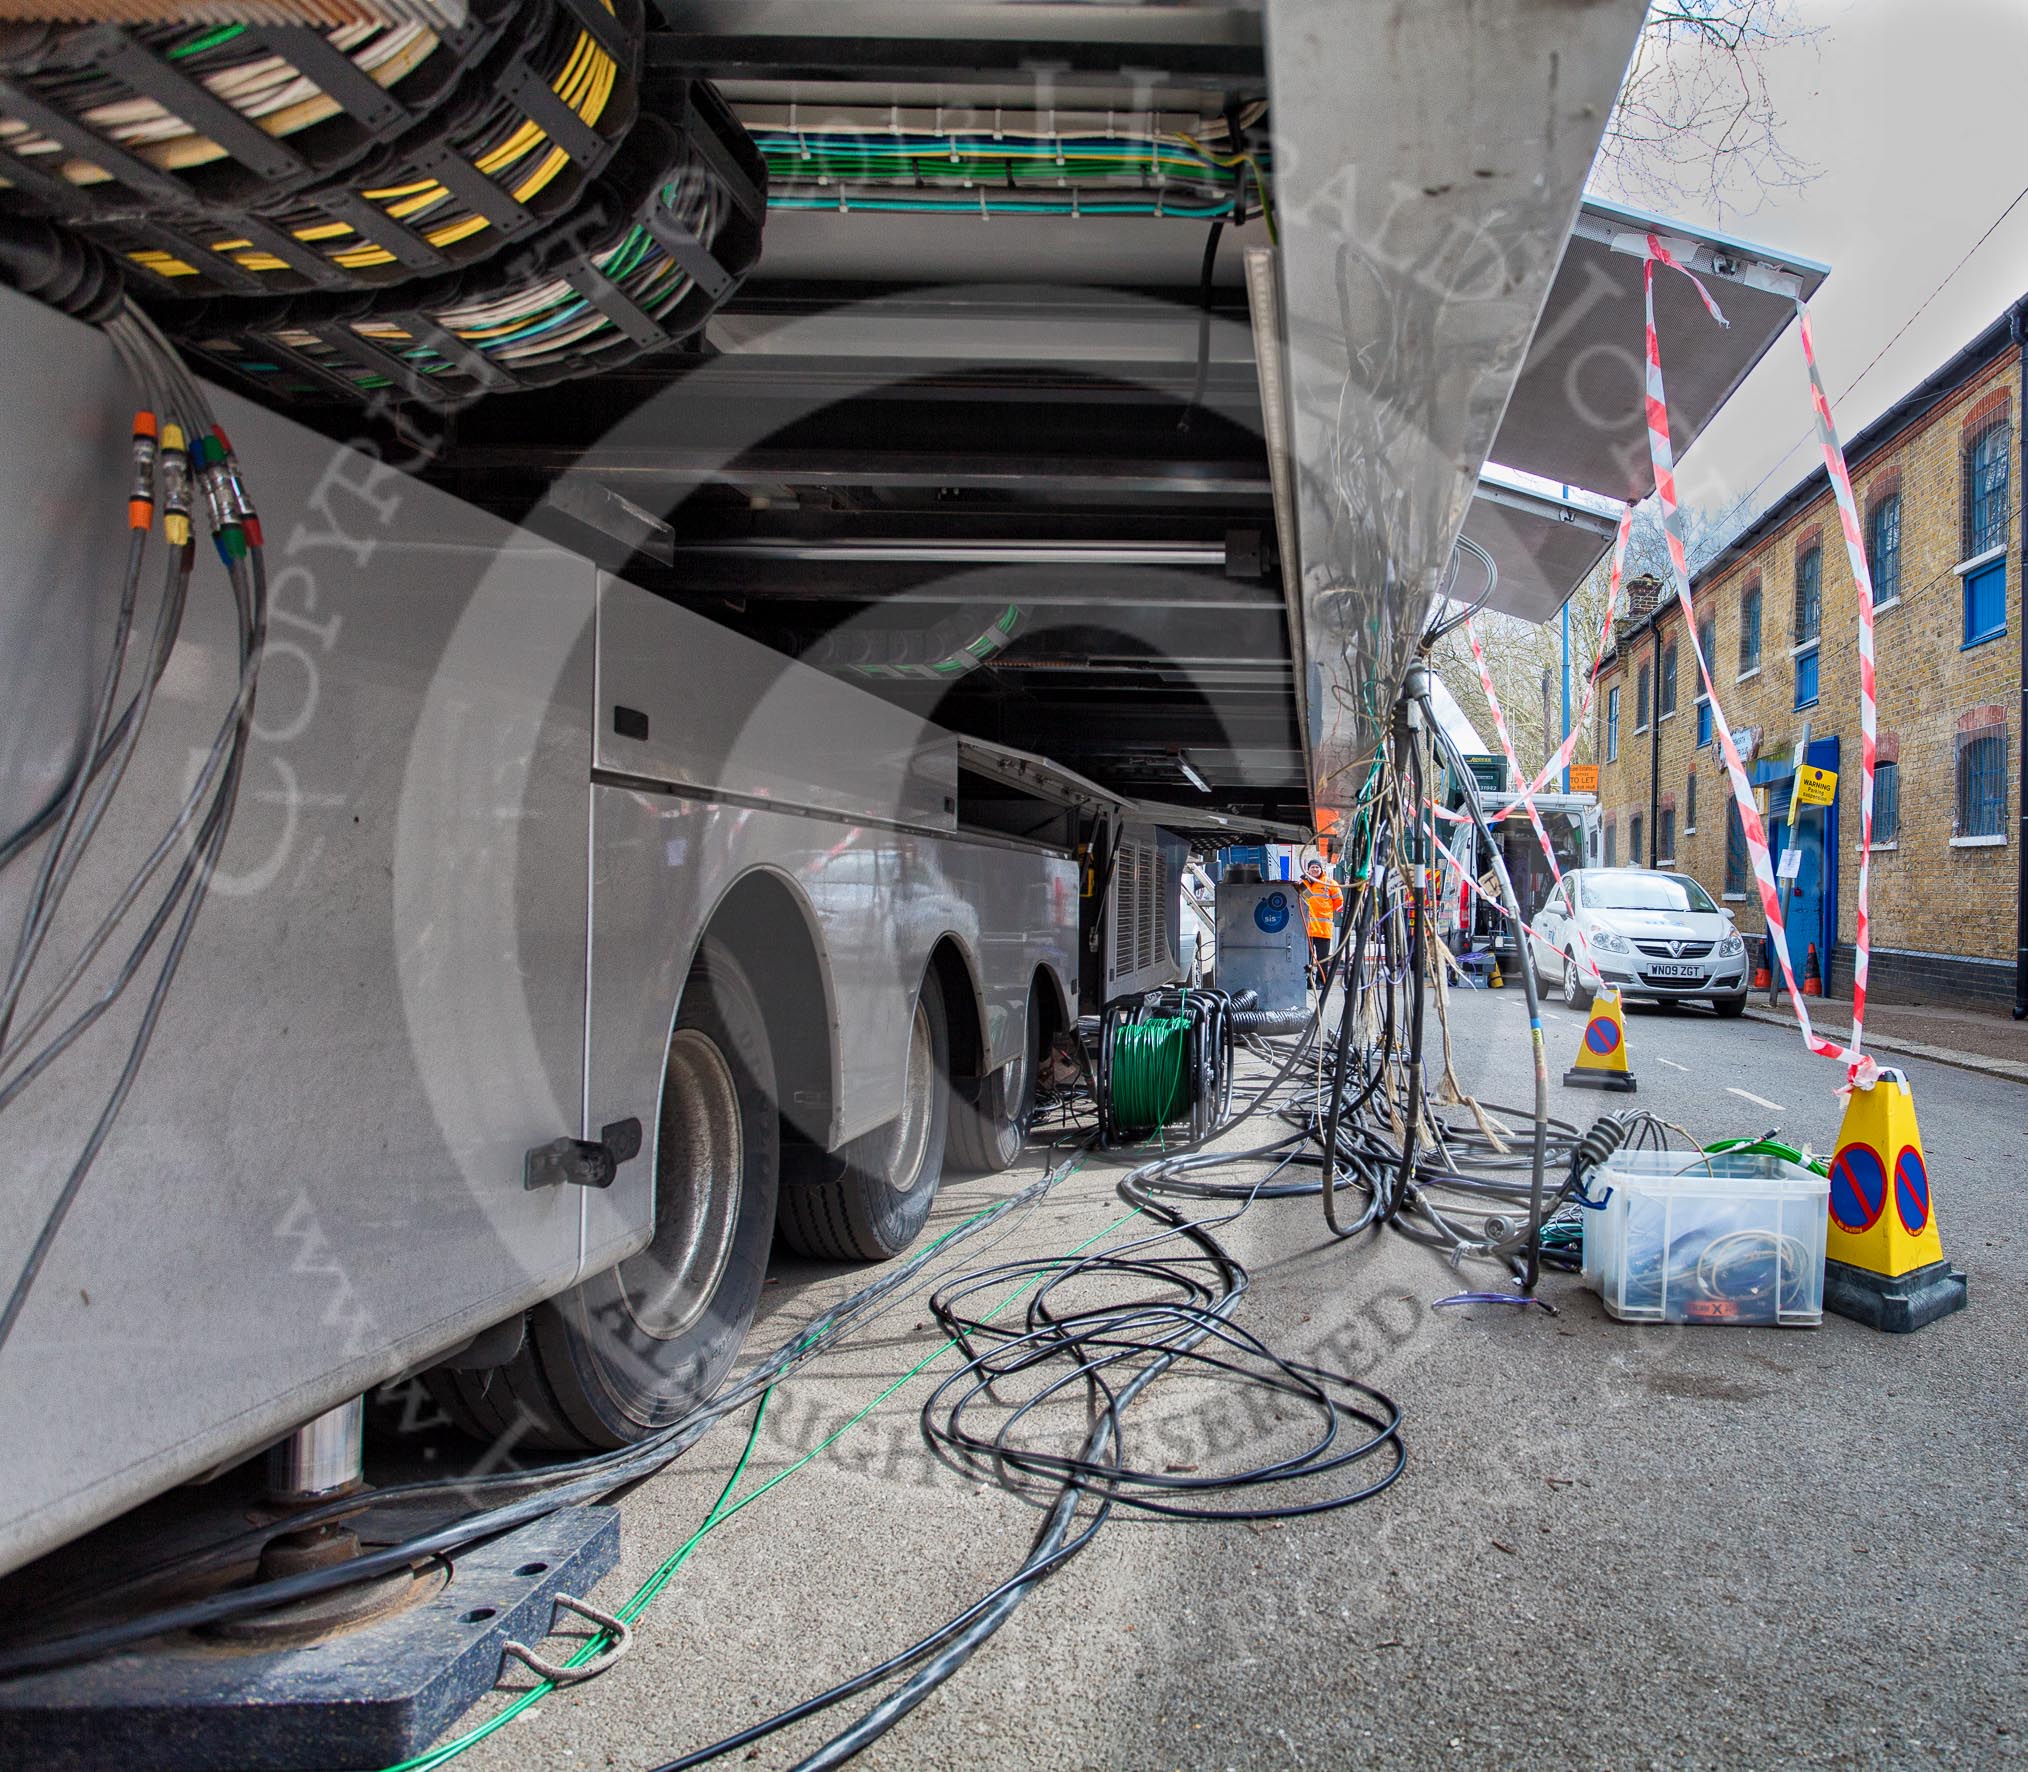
(1151, 1073)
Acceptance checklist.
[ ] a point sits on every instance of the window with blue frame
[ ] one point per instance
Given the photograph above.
(1613, 724)
(1886, 803)
(1735, 849)
(1883, 548)
(1704, 725)
(1982, 782)
(1809, 594)
(1806, 678)
(1986, 602)
(1986, 488)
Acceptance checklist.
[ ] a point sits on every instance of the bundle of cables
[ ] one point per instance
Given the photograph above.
(53, 991)
(959, 163)
(659, 242)
(983, 178)
(177, 118)
(512, 146)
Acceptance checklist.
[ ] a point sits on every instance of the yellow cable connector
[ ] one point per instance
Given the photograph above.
(175, 472)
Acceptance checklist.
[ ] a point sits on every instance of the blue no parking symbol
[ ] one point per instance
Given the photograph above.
(1858, 1187)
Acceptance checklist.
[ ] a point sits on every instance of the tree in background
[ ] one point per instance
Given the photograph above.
(1519, 653)
(1696, 127)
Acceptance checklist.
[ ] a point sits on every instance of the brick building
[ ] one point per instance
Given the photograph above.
(1940, 490)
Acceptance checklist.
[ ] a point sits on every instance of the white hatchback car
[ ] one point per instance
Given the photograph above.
(1655, 936)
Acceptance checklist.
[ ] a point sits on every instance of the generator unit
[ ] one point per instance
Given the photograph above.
(1262, 945)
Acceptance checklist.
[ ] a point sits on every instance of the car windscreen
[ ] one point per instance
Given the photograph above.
(1644, 892)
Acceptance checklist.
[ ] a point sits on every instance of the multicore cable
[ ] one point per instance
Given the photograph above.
(663, 237)
(181, 461)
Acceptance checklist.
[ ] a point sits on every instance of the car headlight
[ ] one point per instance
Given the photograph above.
(1730, 945)
(1608, 943)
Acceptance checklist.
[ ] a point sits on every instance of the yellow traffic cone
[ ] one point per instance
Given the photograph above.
(1884, 1262)
(1602, 1053)
(1497, 980)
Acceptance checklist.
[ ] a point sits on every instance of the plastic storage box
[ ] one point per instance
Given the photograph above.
(1688, 1238)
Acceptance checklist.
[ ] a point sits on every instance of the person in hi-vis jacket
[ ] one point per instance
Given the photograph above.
(1323, 899)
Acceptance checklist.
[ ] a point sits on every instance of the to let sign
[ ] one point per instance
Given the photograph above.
(1584, 778)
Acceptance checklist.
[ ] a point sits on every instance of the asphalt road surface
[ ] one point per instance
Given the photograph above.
(1612, 1546)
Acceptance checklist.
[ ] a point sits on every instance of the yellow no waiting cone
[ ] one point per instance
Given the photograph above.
(1602, 1053)
(1884, 1262)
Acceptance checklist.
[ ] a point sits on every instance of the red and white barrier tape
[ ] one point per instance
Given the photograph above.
(1663, 457)
(1614, 579)
(1480, 892)
(1862, 581)
(1527, 800)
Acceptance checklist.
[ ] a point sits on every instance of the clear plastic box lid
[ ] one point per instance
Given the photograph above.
(1727, 1172)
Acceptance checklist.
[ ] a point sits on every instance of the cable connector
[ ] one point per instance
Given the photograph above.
(174, 463)
(141, 489)
(239, 499)
(226, 535)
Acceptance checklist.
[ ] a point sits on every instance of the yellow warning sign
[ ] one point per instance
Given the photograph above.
(1816, 787)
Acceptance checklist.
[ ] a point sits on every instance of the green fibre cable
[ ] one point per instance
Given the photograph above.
(725, 1507)
(1768, 1147)
(1150, 1072)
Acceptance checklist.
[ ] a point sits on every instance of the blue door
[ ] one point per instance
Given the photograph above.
(1810, 900)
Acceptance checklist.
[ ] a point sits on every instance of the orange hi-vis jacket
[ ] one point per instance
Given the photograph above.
(1322, 900)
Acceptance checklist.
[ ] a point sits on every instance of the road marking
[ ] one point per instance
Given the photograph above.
(1757, 1100)
(1670, 1062)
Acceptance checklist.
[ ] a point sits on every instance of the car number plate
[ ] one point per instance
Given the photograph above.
(1667, 971)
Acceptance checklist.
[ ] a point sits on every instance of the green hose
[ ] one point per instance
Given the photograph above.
(1151, 1073)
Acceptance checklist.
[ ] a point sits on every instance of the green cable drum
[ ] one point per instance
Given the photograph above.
(1151, 1073)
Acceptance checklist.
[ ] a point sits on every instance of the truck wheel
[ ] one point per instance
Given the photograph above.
(630, 1350)
(869, 1200)
(989, 1122)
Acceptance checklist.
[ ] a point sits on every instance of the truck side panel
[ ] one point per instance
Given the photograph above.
(316, 1179)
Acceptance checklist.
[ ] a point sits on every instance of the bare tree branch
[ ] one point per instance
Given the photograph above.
(1696, 124)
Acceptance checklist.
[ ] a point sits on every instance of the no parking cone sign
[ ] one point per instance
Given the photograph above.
(1884, 1261)
(1602, 1053)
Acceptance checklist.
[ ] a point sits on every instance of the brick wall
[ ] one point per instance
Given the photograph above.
(1934, 897)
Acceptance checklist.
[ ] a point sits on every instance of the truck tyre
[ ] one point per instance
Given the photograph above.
(989, 1120)
(870, 1199)
(1577, 994)
(630, 1350)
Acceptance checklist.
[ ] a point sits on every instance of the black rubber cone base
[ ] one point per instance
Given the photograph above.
(1619, 1080)
(370, 1696)
(1897, 1305)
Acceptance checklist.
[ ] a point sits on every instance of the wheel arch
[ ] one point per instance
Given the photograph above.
(956, 972)
(768, 925)
(1047, 988)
